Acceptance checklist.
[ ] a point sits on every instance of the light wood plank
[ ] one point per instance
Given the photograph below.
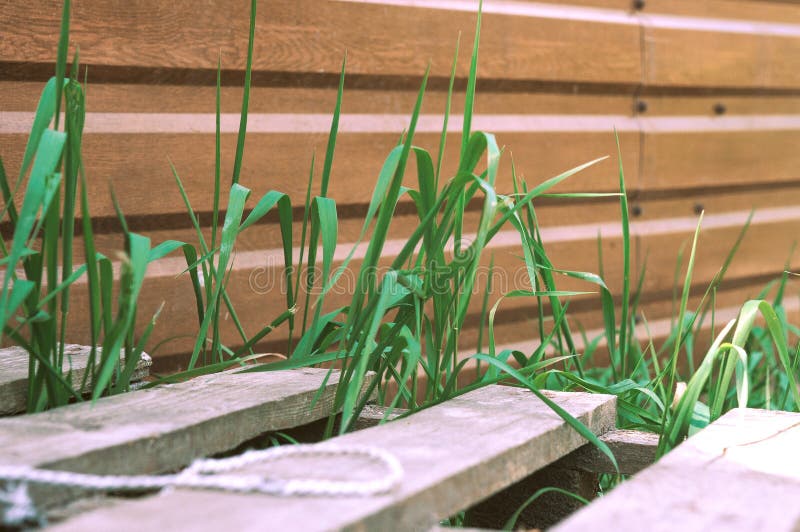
(740, 473)
(695, 159)
(14, 373)
(163, 428)
(311, 36)
(138, 164)
(453, 454)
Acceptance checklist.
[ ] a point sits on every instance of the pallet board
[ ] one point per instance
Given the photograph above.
(453, 454)
(739, 473)
(164, 428)
(14, 373)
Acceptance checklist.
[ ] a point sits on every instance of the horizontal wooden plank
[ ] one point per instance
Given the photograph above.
(14, 373)
(257, 290)
(766, 11)
(743, 476)
(719, 104)
(138, 165)
(765, 249)
(696, 52)
(20, 96)
(633, 449)
(694, 158)
(163, 428)
(306, 36)
(450, 461)
(659, 320)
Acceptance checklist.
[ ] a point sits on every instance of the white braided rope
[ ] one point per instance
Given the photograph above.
(209, 474)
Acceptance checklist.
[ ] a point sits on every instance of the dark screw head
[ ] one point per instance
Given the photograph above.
(719, 108)
(636, 210)
(638, 319)
(641, 106)
(638, 5)
(698, 208)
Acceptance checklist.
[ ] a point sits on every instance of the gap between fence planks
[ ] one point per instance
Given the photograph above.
(14, 373)
(739, 473)
(454, 454)
(166, 427)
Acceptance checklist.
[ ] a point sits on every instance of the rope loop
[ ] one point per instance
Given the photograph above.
(210, 473)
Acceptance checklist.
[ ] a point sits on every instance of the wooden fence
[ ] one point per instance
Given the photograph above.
(704, 95)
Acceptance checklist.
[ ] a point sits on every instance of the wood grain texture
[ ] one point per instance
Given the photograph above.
(453, 454)
(754, 10)
(677, 57)
(744, 476)
(687, 159)
(311, 36)
(633, 449)
(14, 373)
(138, 167)
(163, 428)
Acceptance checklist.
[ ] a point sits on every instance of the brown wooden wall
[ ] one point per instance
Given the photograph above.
(704, 94)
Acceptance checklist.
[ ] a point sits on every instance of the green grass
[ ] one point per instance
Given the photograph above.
(39, 262)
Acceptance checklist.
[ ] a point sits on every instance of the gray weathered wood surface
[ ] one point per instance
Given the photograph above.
(14, 373)
(633, 449)
(453, 454)
(166, 427)
(740, 473)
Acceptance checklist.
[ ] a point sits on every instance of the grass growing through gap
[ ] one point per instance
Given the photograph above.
(402, 324)
(39, 261)
(408, 321)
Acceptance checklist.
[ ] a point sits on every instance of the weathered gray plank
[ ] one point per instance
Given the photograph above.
(633, 449)
(14, 373)
(453, 454)
(166, 427)
(740, 473)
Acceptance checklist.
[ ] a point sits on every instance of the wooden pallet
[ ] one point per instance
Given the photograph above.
(484, 452)
(454, 454)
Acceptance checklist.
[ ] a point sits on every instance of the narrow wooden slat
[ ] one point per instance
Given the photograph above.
(137, 165)
(706, 105)
(717, 53)
(166, 427)
(257, 289)
(740, 473)
(22, 96)
(308, 36)
(766, 247)
(689, 159)
(453, 454)
(14, 373)
(633, 449)
(767, 11)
